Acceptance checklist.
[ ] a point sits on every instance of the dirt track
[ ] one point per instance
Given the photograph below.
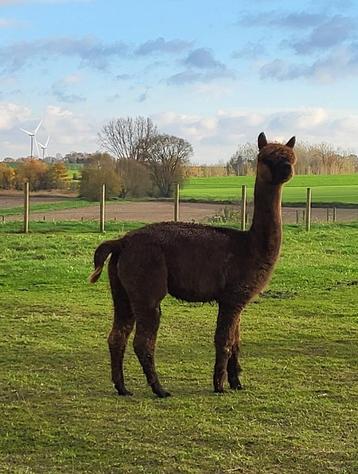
(153, 211)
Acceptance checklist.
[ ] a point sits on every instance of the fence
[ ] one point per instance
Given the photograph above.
(243, 216)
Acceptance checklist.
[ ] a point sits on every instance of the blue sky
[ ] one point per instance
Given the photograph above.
(215, 73)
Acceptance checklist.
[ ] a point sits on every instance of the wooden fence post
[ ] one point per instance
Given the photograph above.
(26, 206)
(297, 217)
(308, 209)
(102, 208)
(327, 214)
(334, 214)
(243, 207)
(176, 203)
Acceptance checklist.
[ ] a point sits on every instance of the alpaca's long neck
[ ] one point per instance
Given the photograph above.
(266, 228)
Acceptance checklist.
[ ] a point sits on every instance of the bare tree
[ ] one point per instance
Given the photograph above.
(127, 138)
(322, 158)
(166, 157)
(243, 161)
(304, 163)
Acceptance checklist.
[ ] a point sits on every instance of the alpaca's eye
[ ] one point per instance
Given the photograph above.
(267, 162)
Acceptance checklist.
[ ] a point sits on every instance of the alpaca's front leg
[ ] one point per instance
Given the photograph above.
(224, 340)
(233, 365)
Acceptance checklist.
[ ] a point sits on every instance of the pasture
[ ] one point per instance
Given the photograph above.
(334, 189)
(60, 413)
(14, 207)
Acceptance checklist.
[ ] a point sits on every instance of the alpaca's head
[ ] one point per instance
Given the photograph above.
(275, 162)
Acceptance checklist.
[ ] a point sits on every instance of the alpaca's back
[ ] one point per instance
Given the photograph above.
(197, 259)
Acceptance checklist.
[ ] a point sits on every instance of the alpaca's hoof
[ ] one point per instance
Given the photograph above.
(123, 392)
(236, 385)
(219, 390)
(159, 391)
(163, 394)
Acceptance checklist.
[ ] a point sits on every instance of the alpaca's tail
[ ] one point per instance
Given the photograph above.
(100, 256)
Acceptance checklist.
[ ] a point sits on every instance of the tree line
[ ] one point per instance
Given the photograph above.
(41, 175)
(311, 159)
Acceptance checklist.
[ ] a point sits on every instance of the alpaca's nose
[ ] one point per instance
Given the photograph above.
(285, 168)
(284, 171)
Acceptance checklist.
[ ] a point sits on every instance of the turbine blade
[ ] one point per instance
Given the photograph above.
(38, 126)
(48, 140)
(37, 148)
(27, 132)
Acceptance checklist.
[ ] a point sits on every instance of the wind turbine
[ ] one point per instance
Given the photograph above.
(44, 147)
(32, 135)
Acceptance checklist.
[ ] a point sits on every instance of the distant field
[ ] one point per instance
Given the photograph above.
(74, 169)
(337, 189)
(74, 203)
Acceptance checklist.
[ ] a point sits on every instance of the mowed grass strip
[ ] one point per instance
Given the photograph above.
(60, 414)
(334, 189)
(74, 203)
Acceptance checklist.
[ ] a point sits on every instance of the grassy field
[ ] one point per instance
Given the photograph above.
(74, 169)
(75, 203)
(60, 414)
(336, 189)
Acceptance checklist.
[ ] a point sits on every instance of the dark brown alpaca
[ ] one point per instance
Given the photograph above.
(195, 262)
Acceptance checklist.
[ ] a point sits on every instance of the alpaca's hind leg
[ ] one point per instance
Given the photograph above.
(224, 341)
(117, 341)
(143, 272)
(147, 325)
(122, 327)
(233, 366)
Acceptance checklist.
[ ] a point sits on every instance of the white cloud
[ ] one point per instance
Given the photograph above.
(61, 89)
(161, 45)
(89, 50)
(215, 137)
(338, 64)
(12, 115)
(68, 130)
(74, 78)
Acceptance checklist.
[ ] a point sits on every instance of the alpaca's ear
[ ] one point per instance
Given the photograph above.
(262, 141)
(291, 142)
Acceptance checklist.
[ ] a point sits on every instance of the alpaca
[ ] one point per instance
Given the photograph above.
(195, 262)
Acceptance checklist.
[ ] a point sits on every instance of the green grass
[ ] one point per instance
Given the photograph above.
(71, 203)
(74, 169)
(335, 189)
(59, 412)
(87, 226)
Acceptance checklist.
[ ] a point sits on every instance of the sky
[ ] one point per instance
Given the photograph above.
(215, 73)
